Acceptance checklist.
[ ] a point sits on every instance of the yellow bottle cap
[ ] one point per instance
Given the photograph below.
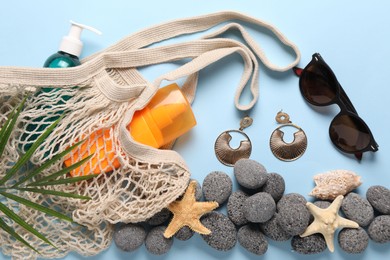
(167, 116)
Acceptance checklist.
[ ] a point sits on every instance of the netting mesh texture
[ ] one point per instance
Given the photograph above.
(126, 190)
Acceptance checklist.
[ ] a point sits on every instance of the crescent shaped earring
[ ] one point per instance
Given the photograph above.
(287, 151)
(228, 155)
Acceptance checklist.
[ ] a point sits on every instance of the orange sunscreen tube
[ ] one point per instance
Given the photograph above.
(167, 116)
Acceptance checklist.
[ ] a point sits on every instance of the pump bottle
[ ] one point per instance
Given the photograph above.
(67, 56)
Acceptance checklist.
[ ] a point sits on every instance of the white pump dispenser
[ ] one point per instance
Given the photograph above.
(71, 43)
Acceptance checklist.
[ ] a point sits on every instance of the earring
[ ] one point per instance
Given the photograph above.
(287, 151)
(228, 155)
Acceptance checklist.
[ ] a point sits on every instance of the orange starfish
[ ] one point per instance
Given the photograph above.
(187, 212)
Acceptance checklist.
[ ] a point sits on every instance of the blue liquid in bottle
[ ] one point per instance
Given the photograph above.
(66, 57)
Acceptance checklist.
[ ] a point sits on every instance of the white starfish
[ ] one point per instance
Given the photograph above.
(326, 221)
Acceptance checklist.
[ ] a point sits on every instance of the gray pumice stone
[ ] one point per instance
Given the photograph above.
(379, 229)
(217, 186)
(357, 209)
(292, 214)
(312, 244)
(184, 233)
(250, 174)
(259, 208)
(235, 209)
(274, 186)
(251, 238)
(379, 197)
(129, 237)
(156, 243)
(223, 235)
(353, 240)
(160, 217)
(272, 230)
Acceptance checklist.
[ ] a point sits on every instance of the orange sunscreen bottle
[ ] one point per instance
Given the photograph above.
(167, 116)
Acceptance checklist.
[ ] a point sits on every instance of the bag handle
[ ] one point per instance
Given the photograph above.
(190, 25)
(195, 24)
(97, 63)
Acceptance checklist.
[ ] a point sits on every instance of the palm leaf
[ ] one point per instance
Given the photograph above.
(67, 181)
(30, 152)
(56, 193)
(8, 126)
(12, 232)
(36, 206)
(23, 223)
(45, 165)
(5, 133)
(62, 172)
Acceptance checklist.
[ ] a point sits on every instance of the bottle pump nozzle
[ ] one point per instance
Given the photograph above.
(71, 43)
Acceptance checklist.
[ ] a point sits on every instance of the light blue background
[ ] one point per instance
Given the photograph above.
(352, 36)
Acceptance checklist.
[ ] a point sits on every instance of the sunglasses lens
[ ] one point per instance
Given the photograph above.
(318, 85)
(349, 133)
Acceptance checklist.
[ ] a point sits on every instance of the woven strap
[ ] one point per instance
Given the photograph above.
(130, 53)
(125, 54)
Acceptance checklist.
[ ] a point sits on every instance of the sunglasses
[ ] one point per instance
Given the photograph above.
(319, 86)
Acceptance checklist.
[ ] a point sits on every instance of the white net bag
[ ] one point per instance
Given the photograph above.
(96, 102)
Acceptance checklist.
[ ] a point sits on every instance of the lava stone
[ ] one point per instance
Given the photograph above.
(251, 238)
(156, 243)
(379, 197)
(223, 235)
(312, 244)
(291, 198)
(184, 233)
(159, 218)
(198, 192)
(379, 229)
(322, 204)
(272, 230)
(235, 208)
(217, 186)
(292, 214)
(357, 209)
(274, 186)
(259, 208)
(250, 174)
(353, 240)
(129, 237)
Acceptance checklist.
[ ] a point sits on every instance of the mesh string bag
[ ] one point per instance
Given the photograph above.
(97, 101)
